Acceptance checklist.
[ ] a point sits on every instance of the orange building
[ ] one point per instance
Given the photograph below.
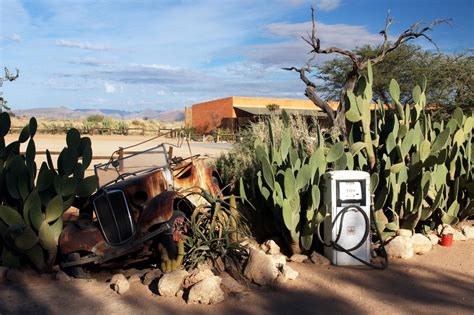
(235, 111)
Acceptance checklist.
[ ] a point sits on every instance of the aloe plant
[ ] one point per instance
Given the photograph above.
(215, 230)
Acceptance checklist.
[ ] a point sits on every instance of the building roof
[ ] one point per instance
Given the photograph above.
(256, 110)
(242, 102)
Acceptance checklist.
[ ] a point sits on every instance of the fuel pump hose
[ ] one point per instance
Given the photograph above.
(334, 244)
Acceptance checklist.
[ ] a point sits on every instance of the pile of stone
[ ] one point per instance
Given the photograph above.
(203, 285)
(406, 244)
(267, 266)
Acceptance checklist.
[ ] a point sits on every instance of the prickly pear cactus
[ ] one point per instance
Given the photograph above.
(287, 182)
(32, 202)
(421, 172)
(422, 168)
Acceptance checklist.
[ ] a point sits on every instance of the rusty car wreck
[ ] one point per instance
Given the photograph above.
(142, 201)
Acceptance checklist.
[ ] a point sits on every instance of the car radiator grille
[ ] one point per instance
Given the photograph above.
(115, 217)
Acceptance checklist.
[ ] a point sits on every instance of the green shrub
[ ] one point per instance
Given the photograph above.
(96, 118)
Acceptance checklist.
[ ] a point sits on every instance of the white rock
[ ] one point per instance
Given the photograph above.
(468, 231)
(262, 268)
(120, 283)
(152, 275)
(207, 291)
(134, 278)
(206, 265)
(433, 238)
(421, 244)
(298, 258)
(116, 278)
(171, 282)
(459, 236)
(278, 261)
(400, 247)
(319, 259)
(196, 276)
(61, 276)
(271, 247)
(404, 232)
(230, 285)
(290, 273)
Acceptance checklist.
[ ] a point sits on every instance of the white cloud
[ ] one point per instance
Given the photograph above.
(97, 100)
(294, 51)
(90, 61)
(109, 88)
(295, 2)
(154, 66)
(82, 45)
(14, 38)
(328, 5)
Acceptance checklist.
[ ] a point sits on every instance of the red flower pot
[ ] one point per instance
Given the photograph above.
(447, 240)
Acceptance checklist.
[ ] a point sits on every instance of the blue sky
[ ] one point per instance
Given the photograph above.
(132, 55)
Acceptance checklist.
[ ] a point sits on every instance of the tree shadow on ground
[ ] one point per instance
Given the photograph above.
(403, 288)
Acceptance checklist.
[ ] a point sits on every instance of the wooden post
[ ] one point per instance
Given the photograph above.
(170, 153)
(158, 133)
(120, 159)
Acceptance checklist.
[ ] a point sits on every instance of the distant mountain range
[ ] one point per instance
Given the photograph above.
(67, 113)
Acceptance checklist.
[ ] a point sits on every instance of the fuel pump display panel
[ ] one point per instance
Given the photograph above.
(350, 192)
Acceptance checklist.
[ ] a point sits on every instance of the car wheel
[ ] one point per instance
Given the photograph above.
(74, 271)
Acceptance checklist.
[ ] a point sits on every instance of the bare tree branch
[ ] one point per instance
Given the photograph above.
(359, 63)
(412, 33)
(315, 43)
(310, 92)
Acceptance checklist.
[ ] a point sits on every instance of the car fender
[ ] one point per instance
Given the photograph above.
(160, 209)
(75, 239)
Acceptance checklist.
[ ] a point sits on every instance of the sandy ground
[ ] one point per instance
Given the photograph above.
(439, 282)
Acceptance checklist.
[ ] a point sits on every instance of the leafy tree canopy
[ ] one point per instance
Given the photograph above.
(450, 77)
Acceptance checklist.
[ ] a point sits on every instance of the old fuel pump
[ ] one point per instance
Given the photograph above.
(347, 236)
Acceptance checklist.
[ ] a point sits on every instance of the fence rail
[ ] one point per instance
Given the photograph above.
(215, 136)
(104, 131)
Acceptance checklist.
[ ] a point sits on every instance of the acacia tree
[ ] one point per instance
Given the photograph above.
(358, 64)
(449, 76)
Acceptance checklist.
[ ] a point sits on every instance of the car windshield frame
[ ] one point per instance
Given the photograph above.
(113, 165)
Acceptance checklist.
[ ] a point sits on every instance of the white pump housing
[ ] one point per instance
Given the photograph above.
(344, 190)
